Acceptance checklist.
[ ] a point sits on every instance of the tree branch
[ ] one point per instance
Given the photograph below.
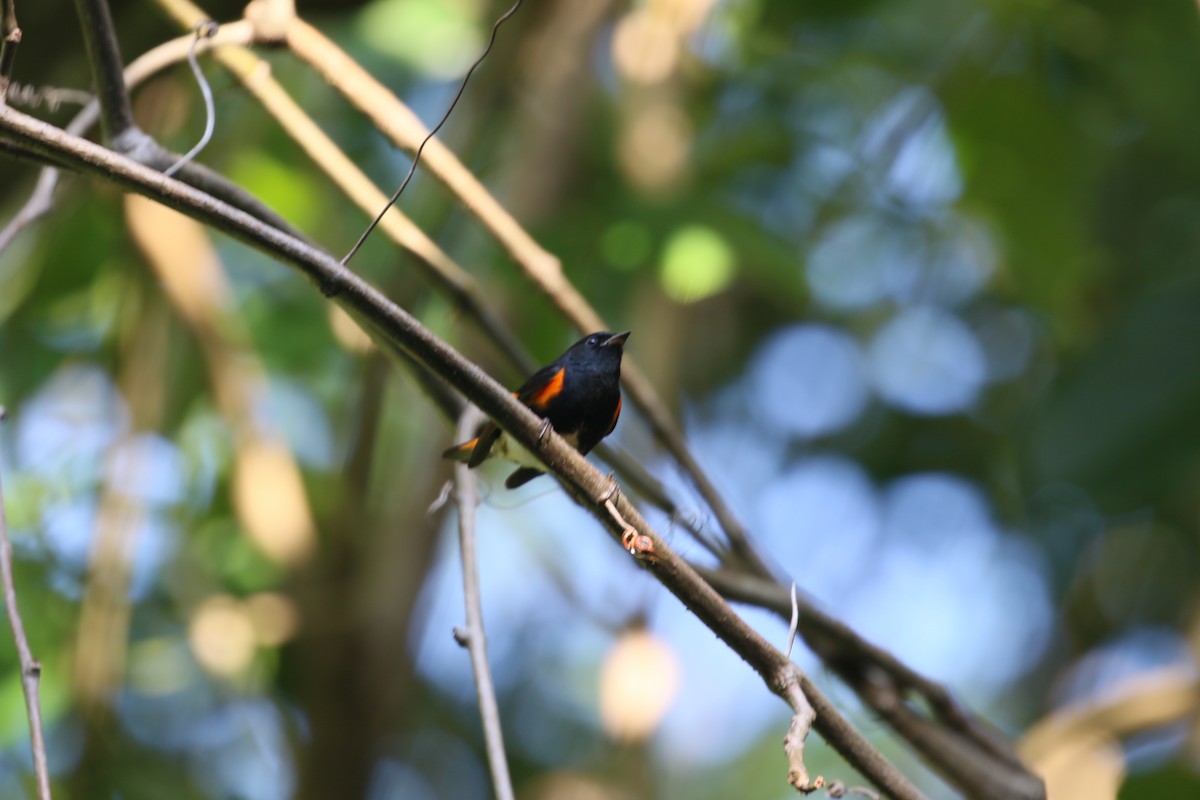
(579, 477)
(829, 638)
(437, 266)
(474, 638)
(10, 38)
(123, 134)
(31, 669)
(108, 71)
(396, 121)
(149, 153)
(967, 751)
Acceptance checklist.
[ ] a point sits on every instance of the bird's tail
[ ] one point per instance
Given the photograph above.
(461, 452)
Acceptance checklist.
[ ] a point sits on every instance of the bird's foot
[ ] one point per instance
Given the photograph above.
(544, 431)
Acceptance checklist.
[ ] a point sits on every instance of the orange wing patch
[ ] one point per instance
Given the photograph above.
(541, 397)
(461, 452)
(616, 416)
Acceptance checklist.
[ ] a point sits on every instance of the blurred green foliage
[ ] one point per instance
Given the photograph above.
(796, 143)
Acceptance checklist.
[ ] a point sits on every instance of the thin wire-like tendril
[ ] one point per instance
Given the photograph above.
(417, 157)
(204, 30)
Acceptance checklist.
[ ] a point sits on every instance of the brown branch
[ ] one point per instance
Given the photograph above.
(581, 479)
(10, 38)
(793, 743)
(31, 669)
(108, 71)
(964, 749)
(140, 69)
(843, 638)
(474, 638)
(436, 265)
(405, 129)
(123, 134)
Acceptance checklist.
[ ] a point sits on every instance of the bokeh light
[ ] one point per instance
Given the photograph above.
(222, 635)
(809, 380)
(638, 682)
(441, 39)
(696, 264)
(926, 361)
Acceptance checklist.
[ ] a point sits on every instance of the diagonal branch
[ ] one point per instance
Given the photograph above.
(474, 638)
(31, 670)
(123, 134)
(397, 121)
(436, 265)
(969, 753)
(845, 651)
(141, 68)
(581, 480)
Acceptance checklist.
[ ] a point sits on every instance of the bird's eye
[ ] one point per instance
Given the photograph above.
(594, 339)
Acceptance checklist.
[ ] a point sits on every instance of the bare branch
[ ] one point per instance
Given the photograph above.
(38, 204)
(108, 70)
(793, 743)
(31, 669)
(476, 639)
(10, 38)
(437, 266)
(150, 63)
(385, 319)
(397, 121)
(964, 749)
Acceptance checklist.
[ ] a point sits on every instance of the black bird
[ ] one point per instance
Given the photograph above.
(579, 394)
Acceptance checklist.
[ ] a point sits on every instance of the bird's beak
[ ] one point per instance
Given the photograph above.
(616, 340)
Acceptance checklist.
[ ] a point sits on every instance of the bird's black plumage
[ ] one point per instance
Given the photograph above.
(579, 393)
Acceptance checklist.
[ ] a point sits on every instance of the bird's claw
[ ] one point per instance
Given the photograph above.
(544, 431)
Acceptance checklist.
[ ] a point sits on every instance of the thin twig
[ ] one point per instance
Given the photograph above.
(793, 743)
(10, 38)
(383, 318)
(108, 70)
(141, 68)
(38, 204)
(204, 30)
(404, 128)
(412, 169)
(476, 639)
(436, 265)
(31, 669)
(52, 97)
(965, 750)
(127, 138)
(794, 625)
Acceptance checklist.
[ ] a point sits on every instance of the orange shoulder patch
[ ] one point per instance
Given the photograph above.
(616, 416)
(543, 395)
